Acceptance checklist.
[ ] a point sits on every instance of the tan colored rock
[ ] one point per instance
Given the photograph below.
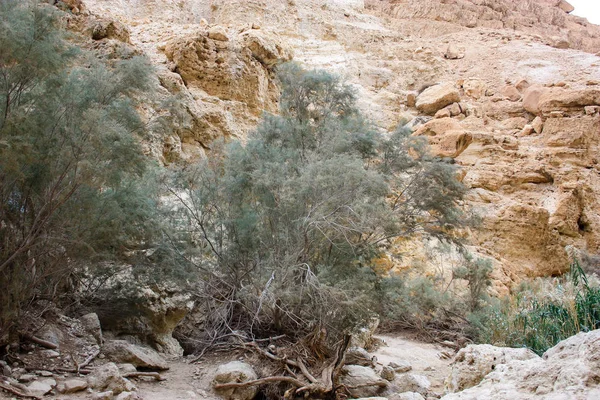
(472, 363)
(475, 88)
(437, 97)
(107, 29)
(218, 33)
(229, 70)
(511, 93)
(531, 98)
(566, 6)
(537, 125)
(568, 212)
(446, 137)
(577, 132)
(522, 85)
(411, 99)
(443, 113)
(567, 100)
(454, 53)
(267, 49)
(526, 131)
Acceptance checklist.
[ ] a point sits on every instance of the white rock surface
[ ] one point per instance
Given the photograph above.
(362, 381)
(236, 371)
(472, 363)
(570, 370)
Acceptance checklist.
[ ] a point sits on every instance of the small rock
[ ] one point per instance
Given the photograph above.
(454, 53)
(5, 369)
(411, 99)
(413, 383)
(359, 356)
(41, 387)
(218, 33)
(454, 109)
(526, 131)
(522, 85)
(388, 374)
(103, 395)
(72, 386)
(50, 353)
(126, 368)
(236, 371)
(108, 377)
(511, 93)
(127, 396)
(46, 374)
(437, 97)
(565, 6)
(91, 324)
(443, 113)
(27, 378)
(537, 125)
(362, 381)
(400, 366)
(406, 396)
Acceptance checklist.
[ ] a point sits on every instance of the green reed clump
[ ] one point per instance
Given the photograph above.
(539, 319)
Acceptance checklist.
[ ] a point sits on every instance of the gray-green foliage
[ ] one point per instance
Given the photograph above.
(477, 273)
(72, 186)
(289, 222)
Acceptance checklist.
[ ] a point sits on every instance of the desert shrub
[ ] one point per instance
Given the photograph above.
(74, 183)
(286, 225)
(541, 314)
(477, 273)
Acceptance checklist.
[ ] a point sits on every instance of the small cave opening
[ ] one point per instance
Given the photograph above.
(583, 224)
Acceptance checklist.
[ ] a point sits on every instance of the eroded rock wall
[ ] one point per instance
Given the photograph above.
(521, 118)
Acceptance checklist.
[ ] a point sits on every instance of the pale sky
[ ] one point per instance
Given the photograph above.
(589, 9)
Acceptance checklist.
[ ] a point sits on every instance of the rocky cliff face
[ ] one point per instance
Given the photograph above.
(521, 82)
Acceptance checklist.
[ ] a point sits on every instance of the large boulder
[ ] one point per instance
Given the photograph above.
(472, 363)
(236, 372)
(569, 370)
(362, 381)
(436, 97)
(567, 100)
(121, 351)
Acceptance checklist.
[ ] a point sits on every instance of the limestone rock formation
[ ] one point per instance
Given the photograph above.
(569, 370)
(472, 363)
(524, 128)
